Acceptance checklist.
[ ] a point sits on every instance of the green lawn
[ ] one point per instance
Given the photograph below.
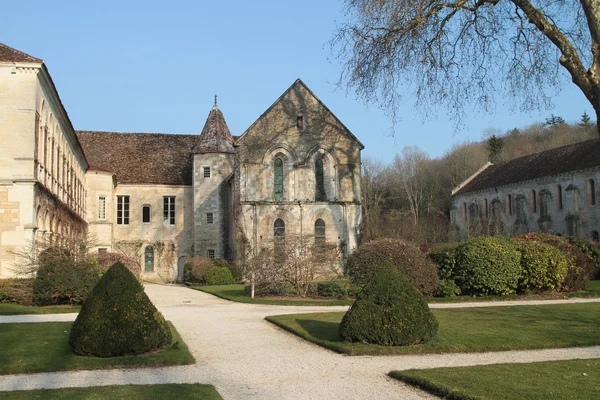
(469, 329)
(16, 309)
(150, 392)
(43, 347)
(236, 293)
(560, 380)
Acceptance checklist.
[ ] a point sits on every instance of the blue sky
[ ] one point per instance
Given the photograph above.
(149, 66)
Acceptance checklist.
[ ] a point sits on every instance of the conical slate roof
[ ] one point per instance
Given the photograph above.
(215, 136)
(9, 54)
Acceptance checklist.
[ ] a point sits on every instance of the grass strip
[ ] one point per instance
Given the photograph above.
(236, 293)
(465, 330)
(150, 392)
(572, 379)
(44, 347)
(16, 309)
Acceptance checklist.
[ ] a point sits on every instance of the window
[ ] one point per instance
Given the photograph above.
(465, 210)
(146, 214)
(209, 218)
(211, 253)
(487, 213)
(207, 172)
(149, 259)
(509, 204)
(279, 229)
(300, 123)
(533, 202)
(592, 191)
(320, 181)
(278, 179)
(559, 197)
(169, 210)
(122, 210)
(101, 207)
(320, 233)
(595, 236)
(101, 250)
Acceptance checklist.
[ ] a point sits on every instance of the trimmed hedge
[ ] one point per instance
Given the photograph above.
(62, 280)
(487, 265)
(405, 256)
(118, 319)
(218, 276)
(581, 266)
(544, 267)
(389, 311)
(335, 288)
(589, 248)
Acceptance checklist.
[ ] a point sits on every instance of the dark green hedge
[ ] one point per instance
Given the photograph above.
(218, 276)
(389, 311)
(118, 319)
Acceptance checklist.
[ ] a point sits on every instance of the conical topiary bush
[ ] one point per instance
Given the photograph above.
(118, 318)
(389, 311)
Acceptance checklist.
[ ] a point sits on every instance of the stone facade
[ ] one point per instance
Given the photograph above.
(163, 198)
(495, 201)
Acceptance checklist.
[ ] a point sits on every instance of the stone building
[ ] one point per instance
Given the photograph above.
(553, 191)
(163, 198)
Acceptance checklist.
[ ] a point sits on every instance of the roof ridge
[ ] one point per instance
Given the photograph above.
(12, 49)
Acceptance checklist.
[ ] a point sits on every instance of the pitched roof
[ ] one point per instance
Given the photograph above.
(299, 82)
(8, 54)
(215, 136)
(556, 161)
(141, 157)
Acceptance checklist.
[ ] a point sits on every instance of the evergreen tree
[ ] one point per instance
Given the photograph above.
(585, 121)
(554, 120)
(495, 146)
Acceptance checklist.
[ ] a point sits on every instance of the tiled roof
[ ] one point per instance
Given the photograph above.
(557, 161)
(8, 54)
(141, 157)
(215, 136)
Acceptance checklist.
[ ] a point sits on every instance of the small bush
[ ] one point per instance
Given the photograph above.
(336, 288)
(487, 265)
(405, 256)
(589, 248)
(448, 288)
(19, 291)
(444, 257)
(118, 319)
(581, 266)
(544, 267)
(218, 276)
(262, 289)
(62, 280)
(197, 269)
(389, 311)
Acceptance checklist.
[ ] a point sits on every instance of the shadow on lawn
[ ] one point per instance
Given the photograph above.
(322, 330)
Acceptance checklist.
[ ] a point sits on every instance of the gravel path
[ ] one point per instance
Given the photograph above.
(246, 357)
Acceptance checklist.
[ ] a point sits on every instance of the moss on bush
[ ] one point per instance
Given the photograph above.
(487, 265)
(405, 256)
(544, 267)
(218, 276)
(118, 319)
(62, 280)
(389, 311)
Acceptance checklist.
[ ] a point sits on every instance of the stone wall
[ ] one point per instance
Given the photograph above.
(562, 204)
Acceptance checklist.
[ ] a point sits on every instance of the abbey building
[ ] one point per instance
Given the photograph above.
(162, 198)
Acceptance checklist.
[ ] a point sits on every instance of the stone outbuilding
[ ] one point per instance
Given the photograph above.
(553, 191)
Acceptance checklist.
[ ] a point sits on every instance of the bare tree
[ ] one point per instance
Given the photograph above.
(452, 52)
(375, 186)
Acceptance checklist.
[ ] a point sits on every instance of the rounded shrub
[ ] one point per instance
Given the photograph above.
(218, 276)
(403, 255)
(62, 280)
(544, 267)
(197, 269)
(389, 311)
(487, 265)
(118, 319)
(581, 266)
(448, 288)
(589, 248)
